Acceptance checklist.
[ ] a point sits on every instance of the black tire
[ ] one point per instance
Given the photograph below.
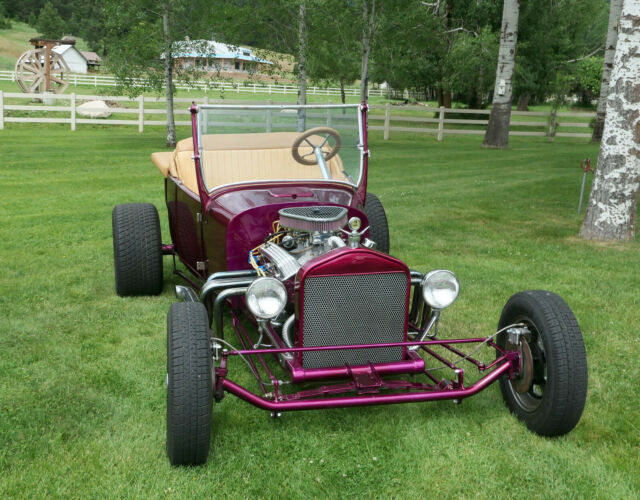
(378, 226)
(551, 399)
(137, 249)
(189, 384)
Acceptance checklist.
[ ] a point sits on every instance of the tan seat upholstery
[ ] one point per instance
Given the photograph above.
(231, 158)
(163, 161)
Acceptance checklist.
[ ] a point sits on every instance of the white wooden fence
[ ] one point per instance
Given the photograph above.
(542, 123)
(151, 111)
(214, 86)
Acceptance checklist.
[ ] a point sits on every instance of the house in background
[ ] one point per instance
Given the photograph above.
(73, 57)
(93, 60)
(208, 55)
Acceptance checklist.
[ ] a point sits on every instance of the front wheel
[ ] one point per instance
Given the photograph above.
(549, 391)
(189, 384)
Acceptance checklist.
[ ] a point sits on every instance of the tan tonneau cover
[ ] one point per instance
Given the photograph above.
(229, 158)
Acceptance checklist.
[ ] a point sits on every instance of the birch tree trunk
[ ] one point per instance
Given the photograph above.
(368, 19)
(610, 48)
(497, 135)
(611, 212)
(168, 74)
(302, 65)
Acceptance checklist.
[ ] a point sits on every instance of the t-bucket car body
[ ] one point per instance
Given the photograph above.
(272, 220)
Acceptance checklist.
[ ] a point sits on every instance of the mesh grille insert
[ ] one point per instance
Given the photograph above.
(319, 213)
(354, 309)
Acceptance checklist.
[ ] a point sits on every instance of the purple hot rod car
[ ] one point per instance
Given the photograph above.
(286, 267)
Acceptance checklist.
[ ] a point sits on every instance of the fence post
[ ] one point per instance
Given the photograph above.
(238, 88)
(140, 113)
(73, 111)
(553, 125)
(95, 80)
(75, 80)
(254, 88)
(284, 90)
(269, 89)
(387, 119)
(270, 101)
(441, 124)
(205, 125)
(1, 110)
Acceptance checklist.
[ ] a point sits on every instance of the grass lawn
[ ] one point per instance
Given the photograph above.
(82, 371)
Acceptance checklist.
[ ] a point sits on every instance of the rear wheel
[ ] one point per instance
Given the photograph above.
(137, 249)
(189, 384)
(550, 389)
(378, 226)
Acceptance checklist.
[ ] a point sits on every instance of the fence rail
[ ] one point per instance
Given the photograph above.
(149, 111)
(214, 86)
(546, 125)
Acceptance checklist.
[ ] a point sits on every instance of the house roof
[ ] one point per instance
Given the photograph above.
(61, 49)
(214, 50)
(91, 57)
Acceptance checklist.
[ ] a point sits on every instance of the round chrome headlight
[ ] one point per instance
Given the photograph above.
(440, 288)
(266, 297)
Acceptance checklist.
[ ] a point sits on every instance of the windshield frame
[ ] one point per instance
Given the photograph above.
(361, 146)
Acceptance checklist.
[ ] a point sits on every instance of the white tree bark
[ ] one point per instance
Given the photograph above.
(368, 21)
(302, 65)
(497, 135)
(168, 75)
(610, 49)
(611, 213)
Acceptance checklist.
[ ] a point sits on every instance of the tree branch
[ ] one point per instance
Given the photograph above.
(463, 29)
(585, 57)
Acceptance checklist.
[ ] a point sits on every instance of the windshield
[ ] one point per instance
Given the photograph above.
(240, 144)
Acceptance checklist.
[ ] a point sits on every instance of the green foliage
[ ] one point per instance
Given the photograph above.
(471, 60)
(335, 32)
(550, 35)
(407, 48)
(5, 23)
(49, 22)
(589, 75)
(138, 49)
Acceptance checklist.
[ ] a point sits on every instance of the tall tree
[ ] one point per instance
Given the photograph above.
(335, 56)
(303, 42)
(49, 23)
(497, 135)
(142, 35)
(612, 208)
(368, 29)
(610, 49)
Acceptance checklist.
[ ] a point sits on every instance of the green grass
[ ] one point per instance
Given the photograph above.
(82, 398)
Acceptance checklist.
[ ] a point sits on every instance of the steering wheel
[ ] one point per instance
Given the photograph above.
(311, 158)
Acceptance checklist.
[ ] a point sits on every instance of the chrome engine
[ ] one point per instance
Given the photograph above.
(305, 233)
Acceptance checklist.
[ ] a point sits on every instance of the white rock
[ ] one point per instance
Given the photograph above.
(94, 109)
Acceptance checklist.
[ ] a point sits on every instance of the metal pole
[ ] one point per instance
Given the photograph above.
(584, 180)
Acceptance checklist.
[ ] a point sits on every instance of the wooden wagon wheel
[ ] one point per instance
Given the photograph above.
(31, 72)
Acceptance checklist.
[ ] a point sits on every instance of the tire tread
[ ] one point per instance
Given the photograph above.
(137, 249)
(189, 395)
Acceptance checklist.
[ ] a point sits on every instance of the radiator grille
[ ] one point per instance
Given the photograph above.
(354, 309)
